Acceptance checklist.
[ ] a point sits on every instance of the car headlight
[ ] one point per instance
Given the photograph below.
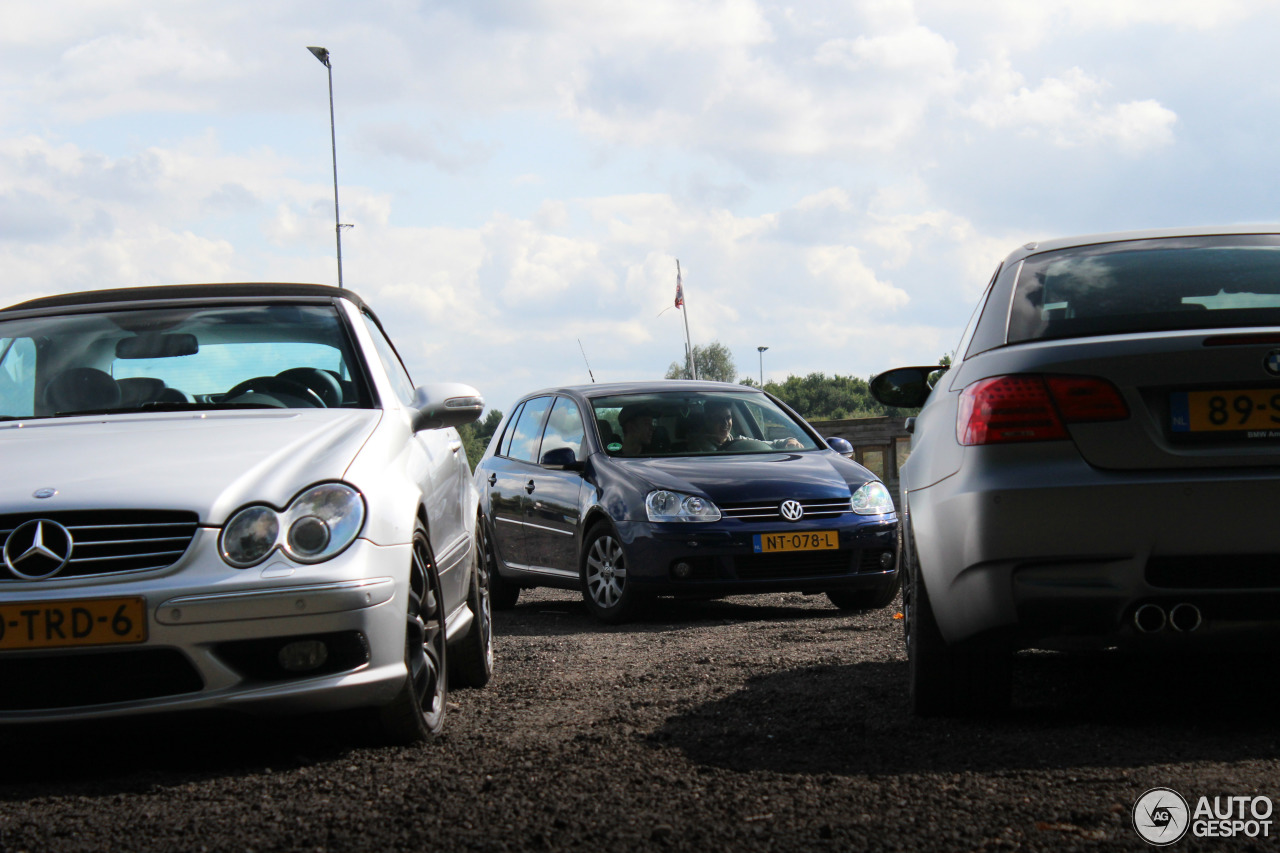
(317, 525)
(872, 498)
(674, 506)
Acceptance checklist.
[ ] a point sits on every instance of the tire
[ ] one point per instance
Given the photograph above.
(417, 712)
(471, 658)
(502, 592)
(949, 680)
(865, 599)
(605, 590)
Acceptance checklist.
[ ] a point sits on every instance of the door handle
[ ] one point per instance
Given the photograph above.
(493, 478)
(528, 487)
(455, 446)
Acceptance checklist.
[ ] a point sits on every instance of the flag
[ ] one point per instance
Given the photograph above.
(679, 291)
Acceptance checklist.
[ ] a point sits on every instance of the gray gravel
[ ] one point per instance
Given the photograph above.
(752, 723)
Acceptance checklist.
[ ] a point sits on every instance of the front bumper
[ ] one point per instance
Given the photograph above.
(214, 636)
(722, 558)
(1046, 550)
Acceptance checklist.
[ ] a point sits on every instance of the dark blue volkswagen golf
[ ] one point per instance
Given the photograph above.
(675, 488)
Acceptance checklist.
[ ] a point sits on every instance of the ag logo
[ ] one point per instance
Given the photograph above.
(1161, 816)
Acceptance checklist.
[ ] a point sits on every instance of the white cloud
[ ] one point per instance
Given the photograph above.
(837, 179)
(1070, 111)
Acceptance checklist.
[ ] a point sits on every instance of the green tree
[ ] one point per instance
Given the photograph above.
(714, 361)
(476, 436)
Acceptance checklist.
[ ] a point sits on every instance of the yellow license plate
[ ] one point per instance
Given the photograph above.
(53, 624)
(1239, 410)
(810, 540)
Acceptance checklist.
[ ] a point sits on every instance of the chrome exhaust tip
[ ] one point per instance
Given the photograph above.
(1149, 618)
(1185, 617)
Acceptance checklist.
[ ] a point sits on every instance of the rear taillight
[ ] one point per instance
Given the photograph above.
(1027, 407)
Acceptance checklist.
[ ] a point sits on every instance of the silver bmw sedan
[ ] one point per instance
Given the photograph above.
(1099, 466)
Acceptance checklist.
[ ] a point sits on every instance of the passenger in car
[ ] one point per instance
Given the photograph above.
(637, 423)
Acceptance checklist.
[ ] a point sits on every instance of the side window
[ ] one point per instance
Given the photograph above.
(17, 377)
(390, 362)
(527, 435)
(564, 428)
(504, 447)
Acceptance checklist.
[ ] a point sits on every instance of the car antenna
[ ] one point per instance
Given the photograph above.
(584, 358)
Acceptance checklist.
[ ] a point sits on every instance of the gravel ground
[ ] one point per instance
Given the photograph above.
(752, 723)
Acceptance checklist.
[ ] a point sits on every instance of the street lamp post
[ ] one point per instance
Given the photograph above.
(761, 351)
(322, 54)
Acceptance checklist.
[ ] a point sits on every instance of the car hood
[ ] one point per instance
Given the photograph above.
(769, 476)
(210, 462)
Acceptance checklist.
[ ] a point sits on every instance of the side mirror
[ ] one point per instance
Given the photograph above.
(841, 446)
(445, 404)
(906, 387)
(561, 459)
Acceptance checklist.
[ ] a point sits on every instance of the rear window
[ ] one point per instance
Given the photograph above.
(1148, 286)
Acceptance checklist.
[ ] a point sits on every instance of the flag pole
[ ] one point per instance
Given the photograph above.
(688, 343)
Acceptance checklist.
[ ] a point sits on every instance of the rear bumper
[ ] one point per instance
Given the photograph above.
(1052, 549)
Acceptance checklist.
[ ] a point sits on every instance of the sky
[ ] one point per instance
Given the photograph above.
(838, 180)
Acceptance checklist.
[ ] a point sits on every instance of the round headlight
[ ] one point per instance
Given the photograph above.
(308, 536)
(872, 498)
(250, 536)
(322, 522)
(695, 506)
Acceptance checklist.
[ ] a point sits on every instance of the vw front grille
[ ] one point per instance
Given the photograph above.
(772, 510)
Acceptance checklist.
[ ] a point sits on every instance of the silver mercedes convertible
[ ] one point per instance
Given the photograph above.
(231, 496)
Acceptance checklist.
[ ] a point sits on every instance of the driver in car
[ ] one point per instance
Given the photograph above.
(715, 432)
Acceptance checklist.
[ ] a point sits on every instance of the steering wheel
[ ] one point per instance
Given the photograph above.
(746, 444)
(277, 385)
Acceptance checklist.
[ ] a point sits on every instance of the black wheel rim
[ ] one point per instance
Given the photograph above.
(483, 558)
(425, 637)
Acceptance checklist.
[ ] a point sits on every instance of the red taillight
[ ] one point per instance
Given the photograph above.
(1086, 398)
(1028, 407)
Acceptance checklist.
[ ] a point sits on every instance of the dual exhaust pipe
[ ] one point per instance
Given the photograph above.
(1183, 618)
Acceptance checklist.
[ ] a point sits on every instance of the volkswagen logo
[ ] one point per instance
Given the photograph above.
(792, 511)
(1272, 362)
(38, 549)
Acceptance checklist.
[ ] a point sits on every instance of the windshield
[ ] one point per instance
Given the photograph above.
(695, 424)
(206, 357)
(1148, 285)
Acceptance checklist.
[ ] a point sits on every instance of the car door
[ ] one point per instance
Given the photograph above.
(433, 463)
(511, 471)
(553, 511)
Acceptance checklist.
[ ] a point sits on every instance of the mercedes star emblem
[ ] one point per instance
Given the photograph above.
(38, 549)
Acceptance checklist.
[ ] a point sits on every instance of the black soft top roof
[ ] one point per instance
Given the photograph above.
(172, 292)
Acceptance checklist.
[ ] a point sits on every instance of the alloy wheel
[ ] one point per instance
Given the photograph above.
(606, 572)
